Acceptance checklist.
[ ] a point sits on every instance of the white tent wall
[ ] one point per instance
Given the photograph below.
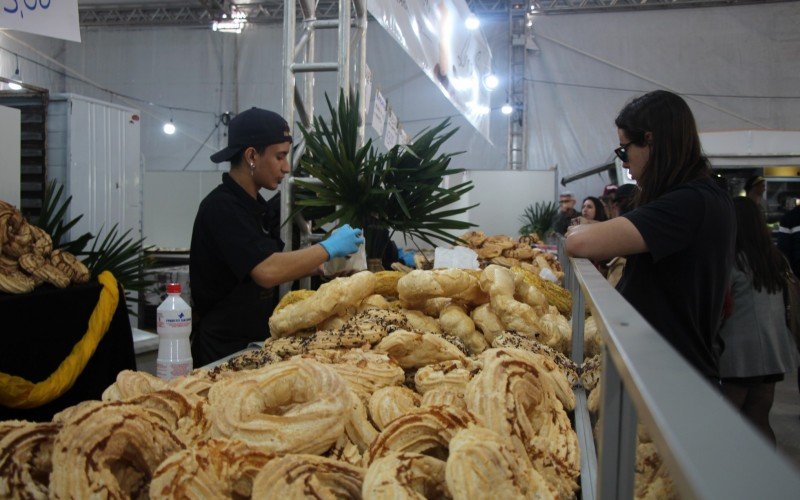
(738, 50)
(33, 52)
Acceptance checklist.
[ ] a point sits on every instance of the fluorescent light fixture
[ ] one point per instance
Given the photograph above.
(229, 26)
(14, 86)
(169, 128)
(491, 81)
(472, 22)
(506, 109)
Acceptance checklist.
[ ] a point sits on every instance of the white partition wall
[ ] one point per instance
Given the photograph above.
(9, 155)
(504, 194)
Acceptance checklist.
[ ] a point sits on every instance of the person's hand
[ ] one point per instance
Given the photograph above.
(343, 242)
(406, 258)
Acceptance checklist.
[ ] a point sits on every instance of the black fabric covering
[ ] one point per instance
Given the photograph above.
(39, 329)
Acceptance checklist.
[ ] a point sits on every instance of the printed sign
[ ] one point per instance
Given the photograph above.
(379, 112)
(53, 18)
(390, 139)
(433, 33)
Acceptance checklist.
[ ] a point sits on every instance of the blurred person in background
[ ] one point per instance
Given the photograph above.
(593, 210)
(789, 238)
(758, 349)
(566, 212)
(679, 240)
(754, 189)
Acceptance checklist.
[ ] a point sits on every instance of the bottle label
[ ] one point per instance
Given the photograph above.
(168, 371)
(174, 319)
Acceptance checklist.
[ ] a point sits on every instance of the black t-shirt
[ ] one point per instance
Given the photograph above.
(232, 234)
(679, 285)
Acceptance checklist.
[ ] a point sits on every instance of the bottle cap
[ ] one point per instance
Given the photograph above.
(173, 288)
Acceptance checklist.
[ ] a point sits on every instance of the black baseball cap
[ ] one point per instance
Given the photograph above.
(254, 127)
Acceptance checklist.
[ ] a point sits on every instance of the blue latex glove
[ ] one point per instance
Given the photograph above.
(406, 258)
(343, 242)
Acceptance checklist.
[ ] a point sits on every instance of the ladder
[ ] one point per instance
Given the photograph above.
(351, 26)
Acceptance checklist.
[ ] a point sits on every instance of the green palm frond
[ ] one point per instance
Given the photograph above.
(52, 219)
(538, 218)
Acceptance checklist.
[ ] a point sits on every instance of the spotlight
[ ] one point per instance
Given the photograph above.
(14, 86)
(507, 109)
(472, 22)
(169, 128)
(491, 81)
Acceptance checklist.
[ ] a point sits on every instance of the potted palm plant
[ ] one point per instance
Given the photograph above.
(399, 191)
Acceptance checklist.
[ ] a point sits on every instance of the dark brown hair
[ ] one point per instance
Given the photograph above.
(599, 208)
(675, 155)
(755, 251)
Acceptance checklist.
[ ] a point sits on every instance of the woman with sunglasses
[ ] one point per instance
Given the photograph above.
(679, 240)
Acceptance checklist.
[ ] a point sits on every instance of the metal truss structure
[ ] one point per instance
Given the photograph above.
(203, 12)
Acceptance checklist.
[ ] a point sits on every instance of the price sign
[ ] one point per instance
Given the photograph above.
(390, 139)
(53, 18)
(379, 112)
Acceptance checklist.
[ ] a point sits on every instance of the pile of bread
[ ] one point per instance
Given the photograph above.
(27, 258)
(394, 394)
(506, 251)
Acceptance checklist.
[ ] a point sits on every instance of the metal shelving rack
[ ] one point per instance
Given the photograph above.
(710, 450)
(351, 26)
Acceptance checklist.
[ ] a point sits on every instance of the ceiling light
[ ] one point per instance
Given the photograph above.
(472, 22)
(169, 128)
(507, 109)
(491, 81)
(14, 86)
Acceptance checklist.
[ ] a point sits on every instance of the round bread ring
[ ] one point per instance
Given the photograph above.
(406, 475)
(93, 453)
(130, 384)
(427, 430)
(390, 403)
(25, 460)
(295, 406)
(308, 476)
(414, 350)
(214, 468)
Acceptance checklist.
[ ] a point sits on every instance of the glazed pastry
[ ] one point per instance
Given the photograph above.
(390, 403)
(413, 350)
(308, 476)
(295, 406)
(426, 430)
(488, 322)
(456, 322)
(214, 468)
(484, 465)
(25, 459)
(405, 475)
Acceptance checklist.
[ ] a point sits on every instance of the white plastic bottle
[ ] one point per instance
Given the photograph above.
(174, 326)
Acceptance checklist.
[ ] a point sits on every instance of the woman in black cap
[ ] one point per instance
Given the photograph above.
(236, 259)
(680, 238)
(754, 189)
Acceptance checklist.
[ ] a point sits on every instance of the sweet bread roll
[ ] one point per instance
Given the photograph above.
(418, 286)
(413, 350)
(293, 297)
(16, 282)
(345, 450)
(336, 322)
(505, 261)
(405, 476)
(444, 397)
(293, 406)
(456, 322)
(25, 459)
(331, 299)
(70, 265)
(487, 321)
(386, 283)
(528, 293)
(473, 239)
(374, 301)
(590, 372)
(308, 476)
(390, 403)
(18, 237)
(556, 329)
(39, 267)
(184, 415)
(592, 341)
(516, 341)
(130, 384)
(196, 383)
(358, 428)
(484, 465)
(364, 372)
(434, 307)
(426, 430)
(499, 283)
(42, 243)
(522, 251)
(214, 468)
(489, 251)
(452, 375)
(128, 441)
(421, 322)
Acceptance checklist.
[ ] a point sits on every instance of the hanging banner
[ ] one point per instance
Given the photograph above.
(368, 87)
(456, 59)
(390, 139)
(53, 18)
(379, 112)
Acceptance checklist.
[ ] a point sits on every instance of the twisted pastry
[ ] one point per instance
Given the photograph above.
(293, 297)
(523, 251)
(7, 264)
(364, 372)
(413, 350)
(41, 268)
(345, 450)
(304, 476)
(331, 299)
(556, 329)
(505, 261)
(426, 430)
(527, 292)
(109, 450)
(498, 282)
(514, 340)
(70, 265)
(592, 341)
(418, 286)
(197, 383)
(16, 282)
(405, 476)
(528, 411)
(215, 468)
(591, 371)
(456, 322)
(25, 459)
(185, 416)
(357, 427)
(484, 465)
(18, 235)
(488, 322)
(42, 243)
(374, 301)
(421, 322)
(386, 283)
(390, 403)
(451, 375)
(292, 406)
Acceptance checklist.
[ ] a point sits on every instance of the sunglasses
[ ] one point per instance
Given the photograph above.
(622, 152)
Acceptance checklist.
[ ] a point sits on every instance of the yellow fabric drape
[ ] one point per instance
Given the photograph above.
(16, 392)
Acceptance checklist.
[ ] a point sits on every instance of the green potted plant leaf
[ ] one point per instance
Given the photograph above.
(538, 218)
